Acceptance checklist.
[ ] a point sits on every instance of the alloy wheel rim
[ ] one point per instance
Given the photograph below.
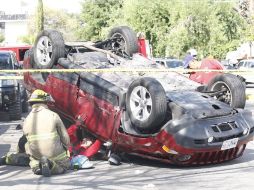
(140, 103)
(44, 50)
(226, 97)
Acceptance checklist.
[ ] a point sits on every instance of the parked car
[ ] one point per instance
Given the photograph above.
(13, 96)
(160, 116)
(247, 64)
(169, 63)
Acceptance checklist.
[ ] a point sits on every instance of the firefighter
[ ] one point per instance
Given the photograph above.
(47, 138)
(20, 158)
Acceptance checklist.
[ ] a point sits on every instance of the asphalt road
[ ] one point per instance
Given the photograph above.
(135, 174)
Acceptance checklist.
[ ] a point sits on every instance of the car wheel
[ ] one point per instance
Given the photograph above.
(25, 105)
(15, 110)
(230, 90)
(49, 47)
(33, 64)
(126, 40)
(146, 104)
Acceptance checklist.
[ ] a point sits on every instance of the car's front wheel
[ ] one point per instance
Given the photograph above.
(229, 89)
(146, 104)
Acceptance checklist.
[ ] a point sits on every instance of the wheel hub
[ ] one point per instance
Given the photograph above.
(226, 95)
(141, 103)
(44, 50)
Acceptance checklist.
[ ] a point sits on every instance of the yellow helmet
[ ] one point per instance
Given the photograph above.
(39, 96)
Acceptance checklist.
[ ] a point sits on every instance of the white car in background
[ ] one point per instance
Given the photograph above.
(247, 64)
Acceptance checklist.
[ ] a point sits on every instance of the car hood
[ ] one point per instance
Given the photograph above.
(199, 105)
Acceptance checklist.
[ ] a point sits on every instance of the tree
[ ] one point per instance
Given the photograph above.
(172, 27)
(40, 16)
(97, 15)
(67, 24)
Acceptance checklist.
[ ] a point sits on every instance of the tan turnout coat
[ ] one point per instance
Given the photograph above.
(46, 134)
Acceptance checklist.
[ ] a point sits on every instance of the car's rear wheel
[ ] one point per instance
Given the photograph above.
(228, 88)
(146, 104)
(125, 40)
(49, 47)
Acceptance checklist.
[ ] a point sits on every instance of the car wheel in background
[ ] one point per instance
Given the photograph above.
(48, 48)
(126, 40)
(146, 104)
(231, 88)
(15, 109)
(25, 105)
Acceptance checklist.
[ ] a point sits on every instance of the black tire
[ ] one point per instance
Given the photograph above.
(154, 93)
(25, 105)
(53, 39)
(128, 37)
(15, 109)
(235, 90)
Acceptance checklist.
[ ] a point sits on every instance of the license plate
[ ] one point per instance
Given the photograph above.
(231, 143)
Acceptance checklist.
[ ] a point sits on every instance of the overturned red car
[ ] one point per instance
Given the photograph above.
(156, 115)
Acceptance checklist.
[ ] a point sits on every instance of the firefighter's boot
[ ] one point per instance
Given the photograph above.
(45, 166)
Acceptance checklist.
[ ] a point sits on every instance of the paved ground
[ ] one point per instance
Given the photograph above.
(137, 174)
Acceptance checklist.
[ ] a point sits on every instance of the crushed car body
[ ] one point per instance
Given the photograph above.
(157, 115)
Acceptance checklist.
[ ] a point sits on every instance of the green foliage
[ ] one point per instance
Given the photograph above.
(154, 18)
(27, 39)
(98, 14)
(172, 27)
(40, 16)
(67, 24)
(2, 38)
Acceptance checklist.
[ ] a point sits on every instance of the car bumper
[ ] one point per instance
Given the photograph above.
(211, 140)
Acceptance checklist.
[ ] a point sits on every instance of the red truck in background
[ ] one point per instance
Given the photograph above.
(18, 50)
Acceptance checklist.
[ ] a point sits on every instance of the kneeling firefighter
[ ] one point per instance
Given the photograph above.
(47, 138)
(20, 158)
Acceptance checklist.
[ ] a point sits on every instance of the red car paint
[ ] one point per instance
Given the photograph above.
(205, 77)
(142, 46)
(77, 146)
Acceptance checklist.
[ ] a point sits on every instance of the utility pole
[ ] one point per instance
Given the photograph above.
(40, 16)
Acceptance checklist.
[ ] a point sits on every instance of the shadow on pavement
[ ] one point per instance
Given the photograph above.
(4, 149)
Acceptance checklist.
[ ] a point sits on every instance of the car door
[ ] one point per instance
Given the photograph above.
(63, 88)
(98, 104)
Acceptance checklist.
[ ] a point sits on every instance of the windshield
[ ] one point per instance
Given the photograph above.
(174, 64)
(240, 64)
(5, 61)
(250, 65)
